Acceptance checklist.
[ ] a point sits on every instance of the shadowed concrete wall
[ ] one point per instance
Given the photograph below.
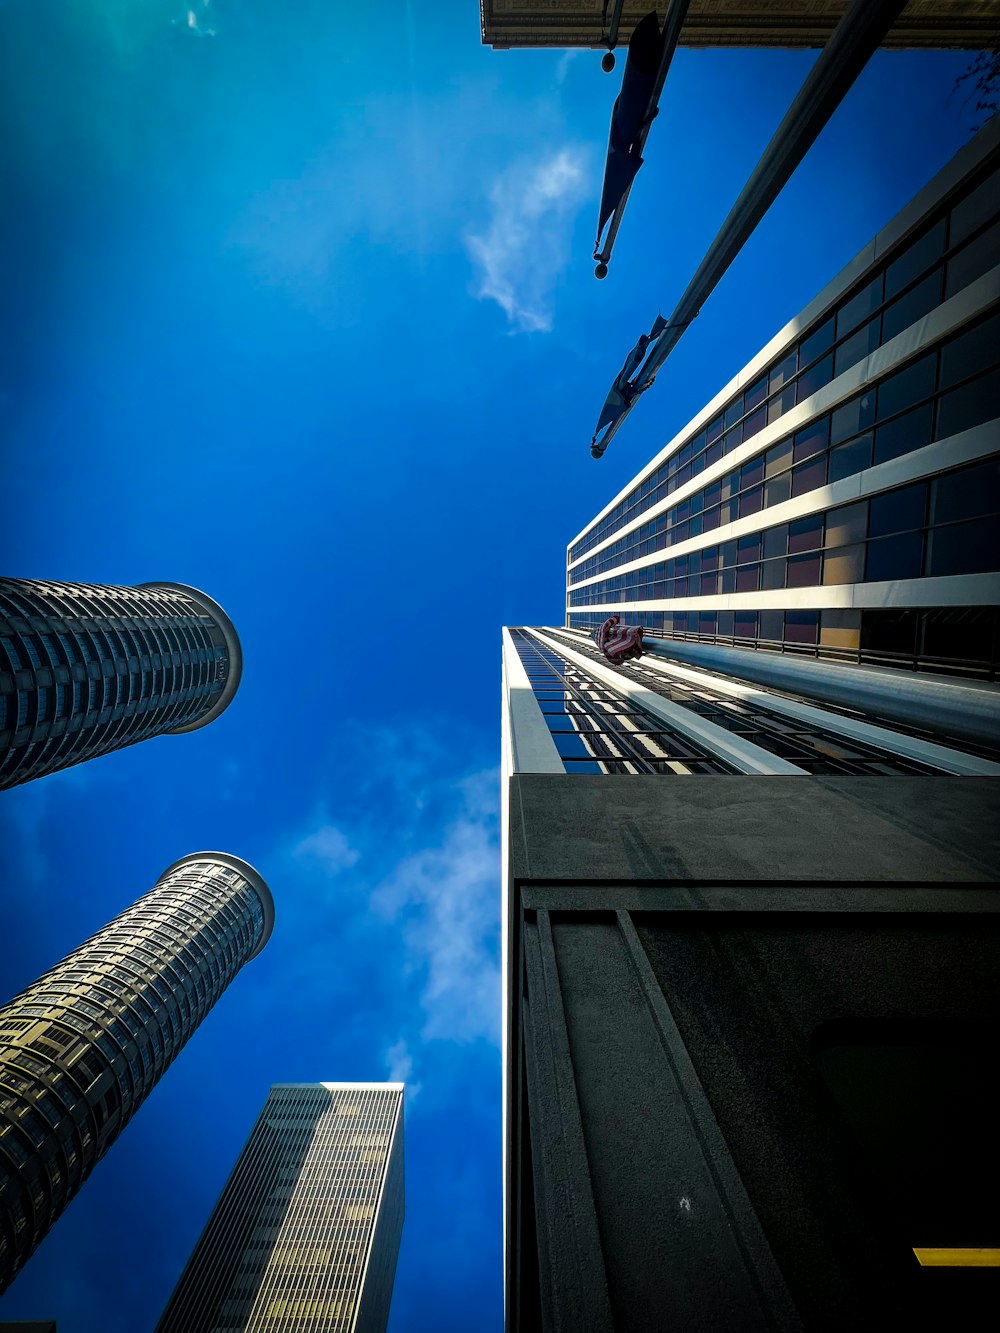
(681, 948)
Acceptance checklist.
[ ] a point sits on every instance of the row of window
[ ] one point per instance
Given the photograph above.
(947, 254)
(947, 526)
(935, 397)
(960, 639)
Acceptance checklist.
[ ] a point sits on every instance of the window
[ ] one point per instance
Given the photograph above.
(906, 433)
(906, 387)
(898, 510)
(969, 406)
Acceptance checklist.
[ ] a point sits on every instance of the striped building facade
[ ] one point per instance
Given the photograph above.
(305, 1235)
(840, 497)
(87, 668)
(82, 1047)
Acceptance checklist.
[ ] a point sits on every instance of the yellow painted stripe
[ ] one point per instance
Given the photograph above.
(958, 1258)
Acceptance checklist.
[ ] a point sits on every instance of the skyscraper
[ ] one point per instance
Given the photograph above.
(748, 1015)
(86, 669)
(82, 1047)
(305, 1235)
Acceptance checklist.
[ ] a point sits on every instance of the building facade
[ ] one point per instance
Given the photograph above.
(305, 1235)
(82, 1047)
(86, 669)
(789, 23)
(840, 497)
(747, 1017)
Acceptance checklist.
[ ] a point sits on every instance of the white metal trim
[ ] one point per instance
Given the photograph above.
(532, 749)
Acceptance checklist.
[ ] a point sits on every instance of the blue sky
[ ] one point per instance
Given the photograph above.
(299, 309)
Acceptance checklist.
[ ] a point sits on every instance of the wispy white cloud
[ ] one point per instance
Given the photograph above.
(446, 898)
(525, 245)
(565, 60)
(400, 1067)
(328, 847)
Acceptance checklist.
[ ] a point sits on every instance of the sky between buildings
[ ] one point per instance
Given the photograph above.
(299, 309)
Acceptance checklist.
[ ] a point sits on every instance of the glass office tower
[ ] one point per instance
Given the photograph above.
(82, 1047)
(305, 1235)
(840, 497)
(751, 928)
(86, 669)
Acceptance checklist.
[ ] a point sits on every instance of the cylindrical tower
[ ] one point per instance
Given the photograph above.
(88, 668)
(84, 1045)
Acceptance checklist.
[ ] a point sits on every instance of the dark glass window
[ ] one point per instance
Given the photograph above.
(847, 459)
(781, 403)
(905, 434)
(964, 548)
(715, 428)
(906, 387)
(771, 626)
(975, 350)
(746, 624)
(753, 472)
(783, 371)
(805, 534)
(754, 423)
(807, 476)
(756, 394)
(857, 346)
(895, 557)
(817, 343)
(801, 626)
(853, 416)
(977, 258)
(968, 493)
(778, 458)
(860, 306)
(752, 501)
(898, 510)
(962, 632)
(803, 571)
(734, 411)
(812, 439)
(777, 489)
(772, 574)
(918, 256)
(977, 208)
(917, 302)
(847, 524)
(748, 547)
(812, 380)
(969, 406)
(775, 541)
(747, 578)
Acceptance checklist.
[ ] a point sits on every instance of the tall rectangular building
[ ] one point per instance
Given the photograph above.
(751, 926)
(305, 1235)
